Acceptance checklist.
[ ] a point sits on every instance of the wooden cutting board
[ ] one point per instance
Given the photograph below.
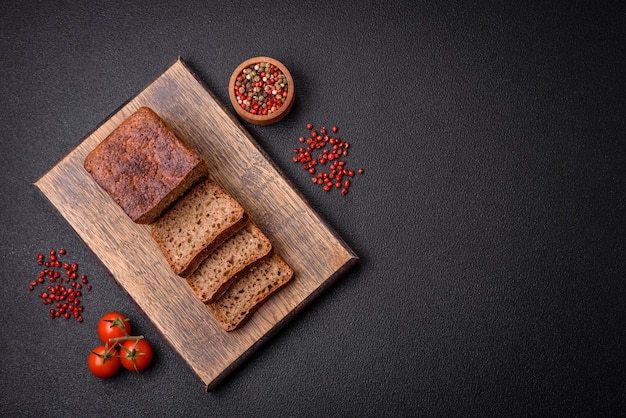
(316, 253)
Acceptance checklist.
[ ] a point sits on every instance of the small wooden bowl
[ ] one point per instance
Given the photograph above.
(271, 117)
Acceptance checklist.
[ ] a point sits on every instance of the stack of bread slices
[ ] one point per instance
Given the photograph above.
(203, 232)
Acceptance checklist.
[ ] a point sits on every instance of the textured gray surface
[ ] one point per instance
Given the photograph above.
(489, 222)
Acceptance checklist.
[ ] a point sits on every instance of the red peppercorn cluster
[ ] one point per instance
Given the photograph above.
(261, 88)
(64, 286)
(326, 164)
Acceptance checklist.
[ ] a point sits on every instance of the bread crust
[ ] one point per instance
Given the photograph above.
(145, 166)
(212, 245)
(180, 217)
(225, 285)
(209, 284)
(235, 321)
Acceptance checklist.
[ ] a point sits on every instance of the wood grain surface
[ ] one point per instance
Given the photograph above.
(315, 252)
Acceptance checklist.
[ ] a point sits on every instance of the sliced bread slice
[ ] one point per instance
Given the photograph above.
(249, 292)
(219, 270)
(197, 223)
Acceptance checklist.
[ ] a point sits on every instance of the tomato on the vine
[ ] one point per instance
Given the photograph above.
(119, 348)
(113, 325)
(135, 355)
(103, 361)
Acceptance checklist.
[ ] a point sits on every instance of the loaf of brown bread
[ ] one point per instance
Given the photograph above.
(250, 291)
(144, 166)
(239, 252)
(196, 224)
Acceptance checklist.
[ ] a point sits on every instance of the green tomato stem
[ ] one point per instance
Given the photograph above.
(126, 338)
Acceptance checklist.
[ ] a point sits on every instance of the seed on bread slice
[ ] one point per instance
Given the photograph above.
(219, 270)
(196, 224)
(250, 291)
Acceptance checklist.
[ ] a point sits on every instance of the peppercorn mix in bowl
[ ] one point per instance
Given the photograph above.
(261, 90)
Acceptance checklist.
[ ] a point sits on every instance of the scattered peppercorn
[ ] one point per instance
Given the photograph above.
(261, 88)
(66, 299)
(317, 153)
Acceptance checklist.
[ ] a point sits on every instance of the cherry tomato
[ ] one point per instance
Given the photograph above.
(135, 355)
(103, 362)
(113, 325)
